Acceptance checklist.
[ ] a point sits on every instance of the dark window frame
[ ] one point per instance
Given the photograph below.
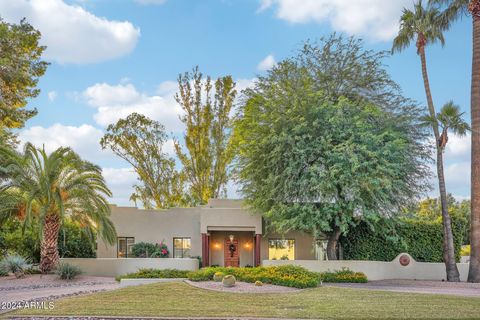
(183, 249)
(126, 242)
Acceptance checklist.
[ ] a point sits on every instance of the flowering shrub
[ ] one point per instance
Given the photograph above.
(344, 275)
(161, 251)
(150, 250)
(288, 275)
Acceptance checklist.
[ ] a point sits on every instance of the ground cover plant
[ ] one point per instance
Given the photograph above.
(162, 300)
(288, 275)
(344, 275)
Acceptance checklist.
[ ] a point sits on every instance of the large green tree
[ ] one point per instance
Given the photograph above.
(424, 25)
(455, 9)
(324, 146)
(208, 138)
(20, 68)
(51, 187)
(141, 142)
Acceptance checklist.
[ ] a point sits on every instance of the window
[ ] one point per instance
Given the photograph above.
(181, 247)
(279, 249)
(124, 247)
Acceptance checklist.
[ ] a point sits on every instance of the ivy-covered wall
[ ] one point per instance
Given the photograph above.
(421, 239)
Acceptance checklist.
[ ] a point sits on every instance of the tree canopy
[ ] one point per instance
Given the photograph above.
(20, 68)
(325, 143)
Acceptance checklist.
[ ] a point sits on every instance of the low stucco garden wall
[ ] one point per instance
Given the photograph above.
(379, 270)
(112, 267)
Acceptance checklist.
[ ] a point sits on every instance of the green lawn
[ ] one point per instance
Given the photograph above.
(179, 299)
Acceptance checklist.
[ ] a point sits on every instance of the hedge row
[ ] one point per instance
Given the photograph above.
(421, 239)
(155, 273)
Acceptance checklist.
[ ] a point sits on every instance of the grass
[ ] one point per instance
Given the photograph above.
(182, 300)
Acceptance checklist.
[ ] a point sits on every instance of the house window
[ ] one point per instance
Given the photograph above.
(124, 247)
(281, 249)
(181, 247)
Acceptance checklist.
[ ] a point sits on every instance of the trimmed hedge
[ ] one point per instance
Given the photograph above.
(288, 275)
(154, 273)
(344, 276)
(421, 239)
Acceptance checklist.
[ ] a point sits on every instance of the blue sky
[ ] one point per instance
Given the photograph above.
(112, 57)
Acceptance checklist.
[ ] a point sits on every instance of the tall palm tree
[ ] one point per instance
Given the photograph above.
(424, 25)
(454, 10)
(51, 188)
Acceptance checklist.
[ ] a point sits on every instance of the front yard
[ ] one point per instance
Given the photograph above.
(182, 300)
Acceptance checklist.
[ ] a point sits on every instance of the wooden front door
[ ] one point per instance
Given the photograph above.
(231, 254)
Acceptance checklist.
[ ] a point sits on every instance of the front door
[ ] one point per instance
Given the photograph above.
(231, 254)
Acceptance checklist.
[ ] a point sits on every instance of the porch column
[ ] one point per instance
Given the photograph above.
(258, 242)
(205, 249)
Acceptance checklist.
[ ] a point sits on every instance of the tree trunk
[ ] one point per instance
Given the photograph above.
(49, 247)
(448, 242)
(474, 271)
(332, 244)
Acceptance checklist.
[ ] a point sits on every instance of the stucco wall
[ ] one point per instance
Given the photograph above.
(112, 267)
(378, 270)
(154, 226)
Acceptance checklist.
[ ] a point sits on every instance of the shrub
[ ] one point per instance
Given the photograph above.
(345, 275)
(218, 276)
(3, 273)
(228, 281)
(421, 239)
(150, 250)
(288, 275)
(15, 264)
(465, 251)
(155, 273)
(66, 271)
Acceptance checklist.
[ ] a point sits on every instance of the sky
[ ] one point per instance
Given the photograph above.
(110, 58)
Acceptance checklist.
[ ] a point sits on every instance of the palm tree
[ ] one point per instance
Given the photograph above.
(454, 10)
(425, 26)
(51, 188)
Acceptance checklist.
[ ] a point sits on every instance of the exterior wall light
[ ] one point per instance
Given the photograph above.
(231, 237)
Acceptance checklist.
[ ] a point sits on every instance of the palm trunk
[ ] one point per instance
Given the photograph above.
(448, 246)
(474, 271)
(49, 247)
(332, 243)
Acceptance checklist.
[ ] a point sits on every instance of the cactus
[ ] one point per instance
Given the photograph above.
(228, 281)
(218, 276)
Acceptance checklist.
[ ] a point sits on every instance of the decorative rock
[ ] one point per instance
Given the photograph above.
(218, 276)
(228, 281)
(258, 283)
(404, 260)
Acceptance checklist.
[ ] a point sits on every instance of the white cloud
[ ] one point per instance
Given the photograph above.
(71, 33)
(83, 139)
(458, 147)
(52, 95)
(114, 102)
(120, 182)
(150, 2)
(267, 63)
(376, 19)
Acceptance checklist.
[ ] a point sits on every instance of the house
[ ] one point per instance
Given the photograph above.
(222, 233)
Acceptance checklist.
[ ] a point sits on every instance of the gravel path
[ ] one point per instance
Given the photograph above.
(241, 287)
(417, 286)
(48, 287)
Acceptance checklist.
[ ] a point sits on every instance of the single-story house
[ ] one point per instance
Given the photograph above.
(222, 232)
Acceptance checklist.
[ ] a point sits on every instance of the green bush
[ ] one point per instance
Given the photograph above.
(421, 239)
(150, 250)
(288, 275)
(155, 273)
(15, 264)
(344, 275)
(66, 271)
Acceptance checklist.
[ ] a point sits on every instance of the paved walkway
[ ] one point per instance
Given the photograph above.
(416, 286)
(48, 287)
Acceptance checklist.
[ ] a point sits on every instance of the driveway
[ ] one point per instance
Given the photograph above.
(417, 286)
(48, 287)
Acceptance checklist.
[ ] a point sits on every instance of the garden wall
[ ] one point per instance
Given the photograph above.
(380, 270)
(112, 267)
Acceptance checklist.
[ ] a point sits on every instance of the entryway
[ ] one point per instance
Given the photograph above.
(231, 253)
